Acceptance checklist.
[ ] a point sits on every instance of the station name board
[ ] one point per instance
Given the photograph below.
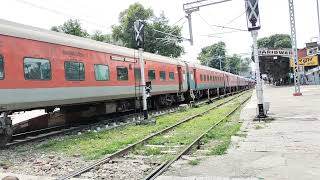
(306, 61)
(275, 52)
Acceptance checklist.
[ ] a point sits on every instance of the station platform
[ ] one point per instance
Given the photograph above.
(288, 147)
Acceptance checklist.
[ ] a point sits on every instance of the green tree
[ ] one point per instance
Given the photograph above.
(238, 65)
(210, 55)
(125, 31)
(160, 43)
(72, 26)
(98, 36)
(245, 65)
(107, 38)
(154, 43)
(275, 41)
(233, 64)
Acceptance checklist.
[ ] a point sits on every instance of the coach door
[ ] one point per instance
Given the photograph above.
(180, 76)
(193, 79)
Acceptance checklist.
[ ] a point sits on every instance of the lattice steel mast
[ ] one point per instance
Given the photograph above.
(191, 7)
(294, 50)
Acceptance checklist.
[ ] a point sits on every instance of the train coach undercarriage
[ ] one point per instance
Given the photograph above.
(72, 114)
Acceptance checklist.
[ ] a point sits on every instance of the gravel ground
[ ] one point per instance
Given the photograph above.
(27, 160)
(122, 169)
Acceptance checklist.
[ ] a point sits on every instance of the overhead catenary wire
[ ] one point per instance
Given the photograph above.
(169, 34)
(207, 23)
(62, 13)
(178, 21)
(168, 39)
(222, 33)
(236, 30)
(234, 19)
(226, 27)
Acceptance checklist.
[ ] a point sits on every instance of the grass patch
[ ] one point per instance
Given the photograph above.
(194, 162)
(94, 145)
(152, 151)
(221, 148)
(258, 127)
(223, 134)
(187, 132)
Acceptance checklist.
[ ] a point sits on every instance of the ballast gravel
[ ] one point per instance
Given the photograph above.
(27, 160)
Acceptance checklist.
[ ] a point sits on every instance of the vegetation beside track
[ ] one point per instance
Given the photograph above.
(222, 134)
(168, 144)
(93, 145)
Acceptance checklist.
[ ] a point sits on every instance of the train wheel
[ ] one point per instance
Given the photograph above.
(6, 130)
(6, 137)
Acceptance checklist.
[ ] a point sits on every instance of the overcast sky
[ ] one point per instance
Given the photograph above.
(101, 14)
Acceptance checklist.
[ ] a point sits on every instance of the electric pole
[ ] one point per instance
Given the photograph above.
(220, 65)
(253, 23)
(139, 38)
(294, 50)
(191, 7)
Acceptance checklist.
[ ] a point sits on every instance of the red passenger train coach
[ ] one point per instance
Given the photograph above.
(41, 69)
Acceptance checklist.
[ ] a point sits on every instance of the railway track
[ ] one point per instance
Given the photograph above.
(163, 166)
(111, 123)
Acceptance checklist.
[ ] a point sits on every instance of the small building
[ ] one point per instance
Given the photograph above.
(313, 76)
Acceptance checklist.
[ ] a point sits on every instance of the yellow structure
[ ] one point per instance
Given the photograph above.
(306, 61)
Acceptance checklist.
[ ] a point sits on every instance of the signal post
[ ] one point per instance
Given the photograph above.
(253, 23)
(139, 38)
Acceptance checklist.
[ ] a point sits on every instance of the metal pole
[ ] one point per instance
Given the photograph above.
(143, 84)
(190, 28)
(294, 50)
(259, 89)
(318, 20)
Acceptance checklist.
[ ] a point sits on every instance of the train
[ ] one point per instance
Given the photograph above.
(43, 69)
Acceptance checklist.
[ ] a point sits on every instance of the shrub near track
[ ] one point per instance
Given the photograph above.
(94, 145)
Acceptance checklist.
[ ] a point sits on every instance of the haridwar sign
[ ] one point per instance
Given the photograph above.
(275, 52)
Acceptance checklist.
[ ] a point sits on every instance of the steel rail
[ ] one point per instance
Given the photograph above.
(31, 136)
(130, 147)
(164, 166)
(36, 135)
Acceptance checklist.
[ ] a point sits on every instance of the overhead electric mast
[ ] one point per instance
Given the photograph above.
(191, 7)
(294, 50)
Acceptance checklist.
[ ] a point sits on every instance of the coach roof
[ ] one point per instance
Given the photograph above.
(33, 33)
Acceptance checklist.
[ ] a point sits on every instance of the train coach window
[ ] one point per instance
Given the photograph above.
(37, 69)
(137, 74)
(122, 73)
(151, 75)
(162, 75)
(101, 72)
(74, 71)
(204, 77)
(201, 78)
(1, 68)
(171, 76)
